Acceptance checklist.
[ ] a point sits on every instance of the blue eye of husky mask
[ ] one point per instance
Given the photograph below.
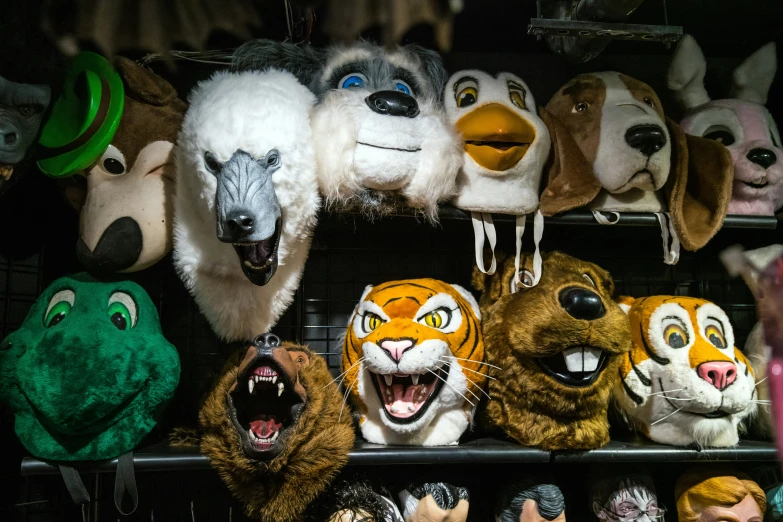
(402, 87)
(352, 80)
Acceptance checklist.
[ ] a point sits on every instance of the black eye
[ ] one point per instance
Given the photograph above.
(113, 166)
(722, 135)
(273, 160)
(211, 162)
(28, 110)
(581, 107)
(649, 101)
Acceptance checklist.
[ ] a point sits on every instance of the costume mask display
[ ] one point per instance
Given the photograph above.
(88, 372)
(529, 502)
(246, 199)
(353, 501)
(714, 495)
(274, 428)
(642, 161)
(507, 145)
(618, 496)
(553, 352)
(684, 382)
(434, 502)
(120, 135)
(413, 359)
(379, 128)
(741, 123)
(22, 106)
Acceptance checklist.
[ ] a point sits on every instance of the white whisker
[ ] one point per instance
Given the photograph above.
(666, 417)
(345, 399)
(477, 386)
(762, 380)
(482, 374)
(452, 387)
(471, 360)
(665, 392)
(676, 398)
(344, 373)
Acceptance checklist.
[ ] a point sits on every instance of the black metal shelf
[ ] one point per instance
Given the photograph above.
(479, 451)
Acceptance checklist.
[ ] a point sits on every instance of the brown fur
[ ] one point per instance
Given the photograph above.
(528, 404)
(279, 490)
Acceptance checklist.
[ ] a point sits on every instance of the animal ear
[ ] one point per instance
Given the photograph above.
(495, 286)
(699, 186)
(570, 179)
(467, 296)
(625, 302)
(74, 190)
(303, 61)
(686, 74)
(752, 79)
(432, 65)
(143, 84)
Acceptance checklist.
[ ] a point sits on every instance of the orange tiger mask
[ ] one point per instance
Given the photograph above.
(684, 381)
(412, 359)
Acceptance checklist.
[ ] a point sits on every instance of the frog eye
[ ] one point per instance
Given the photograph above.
(122, 311)
(59, 306)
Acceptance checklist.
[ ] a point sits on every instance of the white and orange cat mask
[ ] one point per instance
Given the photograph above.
(684, 381)
(413, 358)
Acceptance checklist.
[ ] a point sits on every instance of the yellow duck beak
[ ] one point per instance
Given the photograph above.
(495, 136)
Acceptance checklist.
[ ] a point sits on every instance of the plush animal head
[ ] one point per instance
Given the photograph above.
(247, 162)
(642, 161)
(274, 428)
(556, 347)
(22, 107)
(684, 382)
(741, 123)
(413, 358)
(89, 370)
(435, 502)
(378, 127)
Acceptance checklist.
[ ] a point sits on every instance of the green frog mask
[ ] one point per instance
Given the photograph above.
(89, 371)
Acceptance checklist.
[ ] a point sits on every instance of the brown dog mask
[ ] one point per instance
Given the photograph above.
(274, 428)
(126, 213)
(556, 347)
(642, 161)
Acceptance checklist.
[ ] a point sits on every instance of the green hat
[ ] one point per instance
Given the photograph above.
(84, 118)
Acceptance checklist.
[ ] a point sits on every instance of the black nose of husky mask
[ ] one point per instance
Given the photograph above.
(248, 213)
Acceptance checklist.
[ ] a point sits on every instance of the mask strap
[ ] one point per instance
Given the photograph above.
(125, 481)
(671, 255)
(75, 485)
(520, 230)
(538, 233)
(483, 225)
(603, 220)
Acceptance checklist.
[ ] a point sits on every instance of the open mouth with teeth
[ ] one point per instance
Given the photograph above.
(760, 184)
(575, 366)
(263, 407)
(259, 258)
(406, 397)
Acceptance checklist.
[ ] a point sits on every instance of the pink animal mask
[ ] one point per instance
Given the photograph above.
(741, 123)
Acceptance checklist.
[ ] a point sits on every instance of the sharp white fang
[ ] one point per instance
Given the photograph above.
(250, 385)
(393, 409)
(252, 435)
(280, 389)
(415, 378)
(274, 437)
(274, 379)
(388, 379)
(411, 408)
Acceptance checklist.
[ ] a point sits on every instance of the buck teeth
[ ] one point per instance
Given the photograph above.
(415, 378)
(582, 359)
(280, 389)
(388, 379)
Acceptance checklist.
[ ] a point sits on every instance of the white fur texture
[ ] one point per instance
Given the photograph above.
(254, 112)
(514, 191)
(677, 386)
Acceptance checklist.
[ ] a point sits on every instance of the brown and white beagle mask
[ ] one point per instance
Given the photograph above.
(642, 161)
(508, 146)
(126, 214)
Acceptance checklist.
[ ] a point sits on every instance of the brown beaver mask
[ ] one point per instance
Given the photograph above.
(556, 347)
(274, 428)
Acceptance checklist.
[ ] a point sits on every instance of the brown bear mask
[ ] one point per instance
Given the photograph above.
(556, 349)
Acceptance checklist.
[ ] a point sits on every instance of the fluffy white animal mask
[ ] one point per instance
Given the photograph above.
(378, 127)
(246, 199)
(742, 123)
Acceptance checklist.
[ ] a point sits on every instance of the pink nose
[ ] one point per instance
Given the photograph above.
(395, 349)
(718, 373)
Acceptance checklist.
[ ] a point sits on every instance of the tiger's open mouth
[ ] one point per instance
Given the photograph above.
(264, 407)
(575, 366)
(259, 258)
(406, 397)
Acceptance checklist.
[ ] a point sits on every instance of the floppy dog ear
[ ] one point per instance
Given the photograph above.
(570, 179)
(625, 302)
(304, 62)
(699, 186)
(143, 84)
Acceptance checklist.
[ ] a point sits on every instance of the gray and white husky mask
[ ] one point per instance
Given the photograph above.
(379, 127)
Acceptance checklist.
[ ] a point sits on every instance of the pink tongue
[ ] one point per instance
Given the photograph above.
(265, 428)
(405, 399)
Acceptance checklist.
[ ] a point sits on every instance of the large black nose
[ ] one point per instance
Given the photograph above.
(581, 303)
(393, 103)
(240, 223)
(647, 139)
(764, 157)
(268, 340)
(118, 248)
